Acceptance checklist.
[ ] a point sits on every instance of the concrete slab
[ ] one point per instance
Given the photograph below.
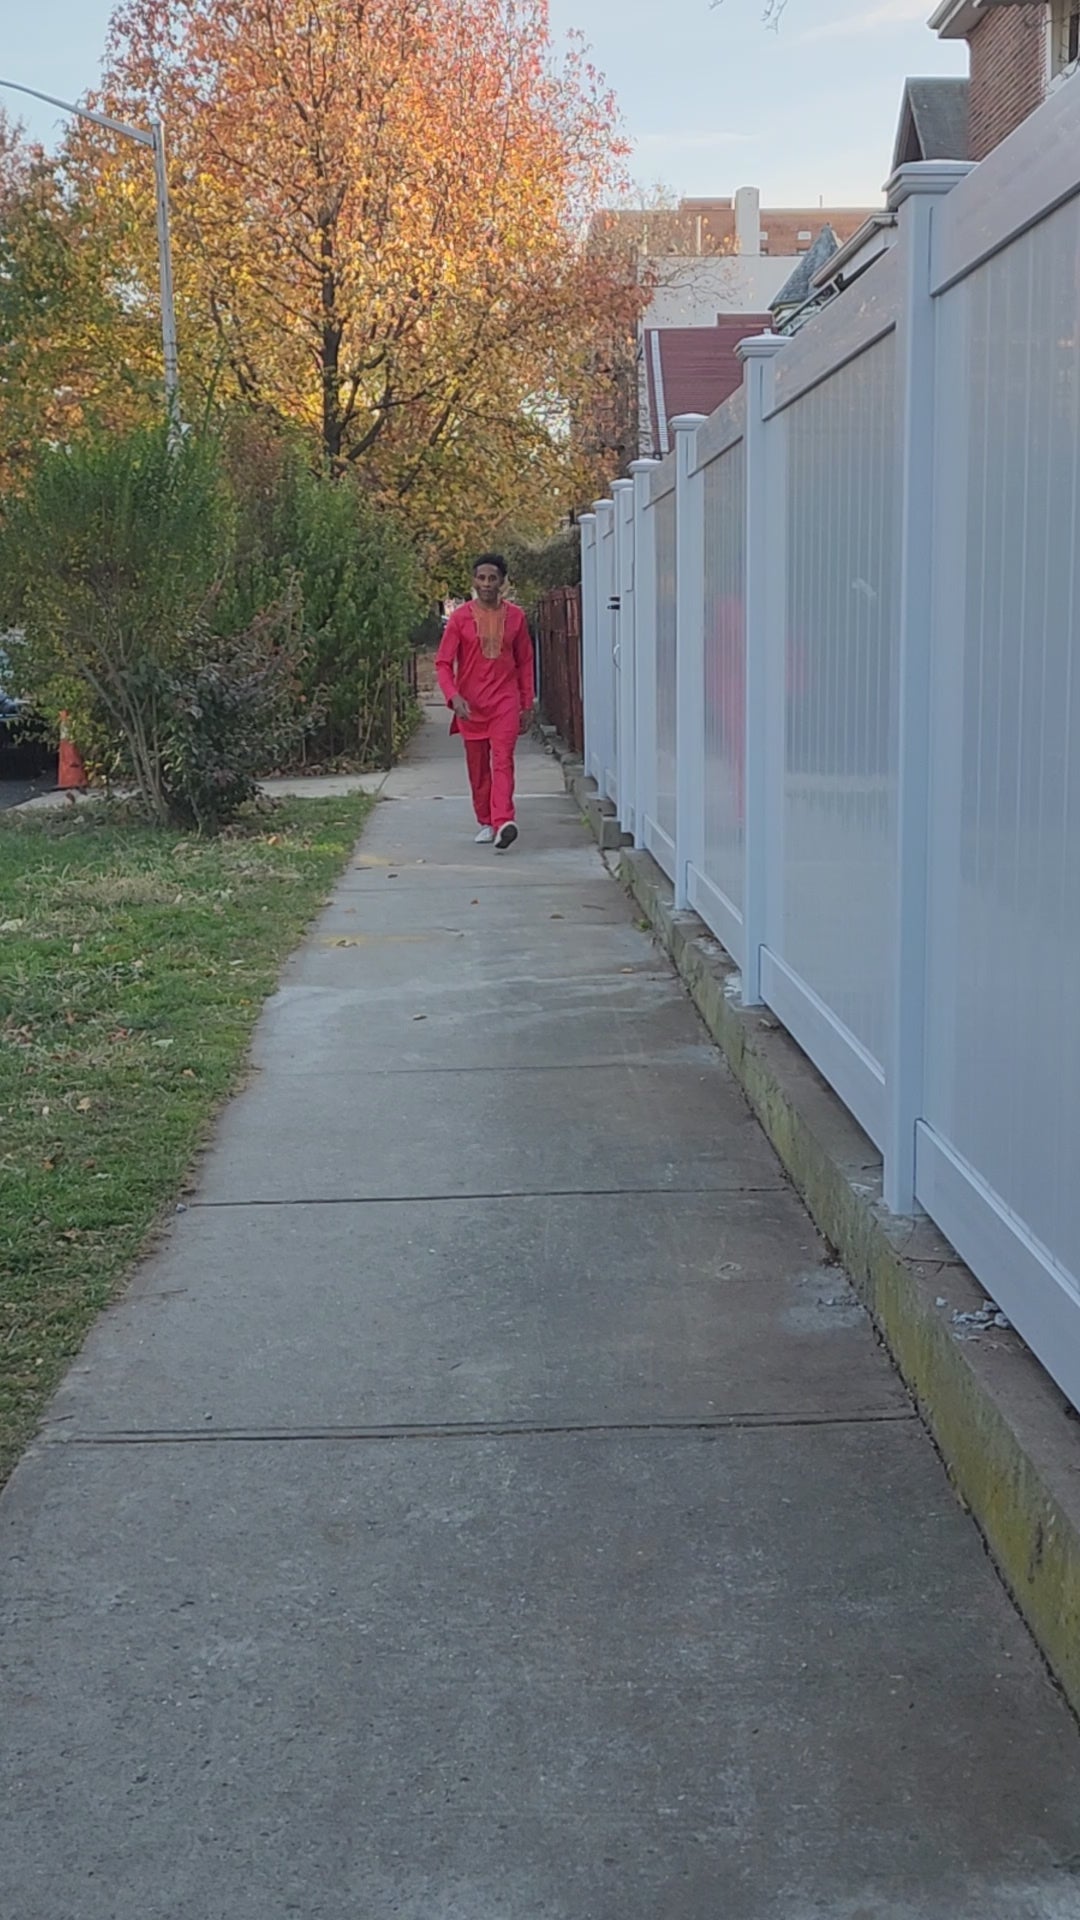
(322, 786)
(589, 1020)
(434, 949)
(542, 1677)
(564, 913)
(569, 1312)
(351, 1136)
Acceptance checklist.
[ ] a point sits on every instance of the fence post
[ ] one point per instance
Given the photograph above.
(689, 654)
(607, 731)
(915, 192)
(587, 523)
(644, 647)
(763, 611)
(624, 649)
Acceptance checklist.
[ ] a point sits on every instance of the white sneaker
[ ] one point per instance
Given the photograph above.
(485, 836)
(505, 837)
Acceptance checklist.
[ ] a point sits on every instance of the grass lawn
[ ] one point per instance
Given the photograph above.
(133, 964)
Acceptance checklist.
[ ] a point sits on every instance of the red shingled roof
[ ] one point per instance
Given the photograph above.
(694, 369)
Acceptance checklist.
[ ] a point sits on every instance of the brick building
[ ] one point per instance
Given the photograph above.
(1017, 51)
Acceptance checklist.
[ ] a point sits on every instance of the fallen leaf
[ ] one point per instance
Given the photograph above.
(556, 916)
(83, 1105)
(419, 1016)
(188, 1074)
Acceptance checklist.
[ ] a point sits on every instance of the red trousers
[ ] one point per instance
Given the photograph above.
(491, 777)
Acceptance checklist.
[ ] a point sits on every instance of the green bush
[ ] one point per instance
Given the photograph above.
(358, 578)
(232, 715)
(108, 565)
(207, 613)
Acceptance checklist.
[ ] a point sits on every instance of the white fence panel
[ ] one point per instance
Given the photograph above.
(717, 892)
(643, 640)
(997, 1159)
(660, 830)
(607, 672)
(625, 662)
(592, 703)
(830, 922)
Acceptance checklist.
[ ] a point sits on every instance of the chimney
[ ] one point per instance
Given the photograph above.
(748, 221)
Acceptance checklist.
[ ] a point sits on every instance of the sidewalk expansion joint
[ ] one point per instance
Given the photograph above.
(475, 1430)
(615, 1063)
(778, 1185)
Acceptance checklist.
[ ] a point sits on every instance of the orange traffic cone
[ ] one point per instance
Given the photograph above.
(71, 773)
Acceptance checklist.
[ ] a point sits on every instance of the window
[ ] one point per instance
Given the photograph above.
(1064, 35)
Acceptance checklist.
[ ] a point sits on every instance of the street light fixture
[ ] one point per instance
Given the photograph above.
(155, 140)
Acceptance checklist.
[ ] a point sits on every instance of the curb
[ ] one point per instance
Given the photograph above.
(1010, 1442)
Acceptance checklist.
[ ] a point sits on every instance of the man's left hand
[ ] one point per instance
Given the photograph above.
(526, 720)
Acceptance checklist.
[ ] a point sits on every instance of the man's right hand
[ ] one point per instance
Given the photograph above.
(460, 707)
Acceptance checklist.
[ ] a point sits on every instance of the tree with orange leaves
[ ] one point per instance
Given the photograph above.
(378, 213)
(72, 351)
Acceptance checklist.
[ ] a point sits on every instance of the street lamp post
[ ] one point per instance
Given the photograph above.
(155, 140)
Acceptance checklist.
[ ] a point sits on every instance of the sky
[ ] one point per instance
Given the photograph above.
(712, 99)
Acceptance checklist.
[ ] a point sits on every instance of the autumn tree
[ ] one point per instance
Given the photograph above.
(75, 348)
(379, 209)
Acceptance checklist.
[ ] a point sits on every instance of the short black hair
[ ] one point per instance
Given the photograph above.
(491, 560)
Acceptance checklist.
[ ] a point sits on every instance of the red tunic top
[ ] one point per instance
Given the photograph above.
(498, 691)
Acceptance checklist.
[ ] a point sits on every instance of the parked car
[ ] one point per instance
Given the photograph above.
(25, 747)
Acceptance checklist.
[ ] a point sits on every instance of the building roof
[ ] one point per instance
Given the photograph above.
(858, 253)
(799, 284)
(693, 369)
(955, 19)
(708, 226)
(933, 121)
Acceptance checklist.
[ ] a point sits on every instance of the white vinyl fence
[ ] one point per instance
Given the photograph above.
(830, 686)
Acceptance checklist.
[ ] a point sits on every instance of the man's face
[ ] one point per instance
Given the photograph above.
(488, 583)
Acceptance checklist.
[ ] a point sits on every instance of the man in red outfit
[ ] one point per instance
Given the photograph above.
(485, 669)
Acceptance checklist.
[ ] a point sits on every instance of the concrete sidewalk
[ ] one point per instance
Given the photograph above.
(490, 1503)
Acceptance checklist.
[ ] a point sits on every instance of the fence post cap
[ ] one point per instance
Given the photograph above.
(760, 346)
(921, 177)
(646, 464)
(688, 422)
(620, 486)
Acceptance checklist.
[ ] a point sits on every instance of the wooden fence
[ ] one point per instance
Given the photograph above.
(557, 630)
